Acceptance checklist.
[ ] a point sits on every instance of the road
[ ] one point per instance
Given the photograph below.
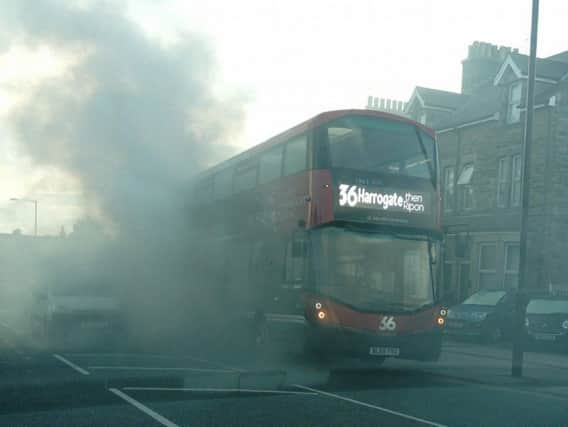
(469, 386)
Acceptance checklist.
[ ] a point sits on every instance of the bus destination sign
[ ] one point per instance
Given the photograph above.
(356, 196)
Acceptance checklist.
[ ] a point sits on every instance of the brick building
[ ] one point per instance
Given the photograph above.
(480, 138)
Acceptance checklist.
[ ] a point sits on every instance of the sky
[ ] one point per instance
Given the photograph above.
(284, 62)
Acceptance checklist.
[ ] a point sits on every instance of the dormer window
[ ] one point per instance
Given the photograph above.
(514, 104)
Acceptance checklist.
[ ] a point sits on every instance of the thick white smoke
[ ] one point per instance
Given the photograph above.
(133, 120)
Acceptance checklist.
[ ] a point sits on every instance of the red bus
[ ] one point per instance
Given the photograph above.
(328, 236)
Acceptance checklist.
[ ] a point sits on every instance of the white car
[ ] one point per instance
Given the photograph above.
(70, 316)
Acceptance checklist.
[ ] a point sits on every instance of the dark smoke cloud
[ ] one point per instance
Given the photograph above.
(133, 120)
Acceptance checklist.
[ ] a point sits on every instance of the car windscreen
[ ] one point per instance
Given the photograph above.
(485, 298)
(384, 146)
(547, 306)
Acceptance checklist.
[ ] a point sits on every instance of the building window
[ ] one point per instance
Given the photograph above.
(514, 104)
(487, 266)
(465, 187)
(516, 181)
(503, 182)
(511, 266)
(449, 188)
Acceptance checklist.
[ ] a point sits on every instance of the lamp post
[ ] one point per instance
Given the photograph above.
(34, 201)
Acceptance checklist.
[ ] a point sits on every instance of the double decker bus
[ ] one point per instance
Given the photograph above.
(328, 234)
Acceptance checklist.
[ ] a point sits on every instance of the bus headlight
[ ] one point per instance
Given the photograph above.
(443, 312)
(321, 315)
(440, 321)
(318, 305)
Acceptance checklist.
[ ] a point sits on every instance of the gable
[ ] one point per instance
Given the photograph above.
(508, 68)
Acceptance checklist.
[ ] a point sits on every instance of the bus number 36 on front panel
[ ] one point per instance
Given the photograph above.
(387, 324)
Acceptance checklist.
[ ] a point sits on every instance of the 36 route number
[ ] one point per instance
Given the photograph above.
(387, 324)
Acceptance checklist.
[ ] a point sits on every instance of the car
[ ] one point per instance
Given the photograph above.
(486, 315)
(69, 313)
(546, 322)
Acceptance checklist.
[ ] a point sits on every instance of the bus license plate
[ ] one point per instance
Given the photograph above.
(384, 351)
(544, 337)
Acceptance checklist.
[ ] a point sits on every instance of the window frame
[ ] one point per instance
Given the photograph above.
(449, 188)
(516, 178)
(466, 190)
(513, 104)
(506, 271)
(480, 270)
(503, 182)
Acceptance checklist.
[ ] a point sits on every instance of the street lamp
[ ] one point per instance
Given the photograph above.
(15, 199)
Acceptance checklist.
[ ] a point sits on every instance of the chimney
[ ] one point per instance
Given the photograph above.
(481, 65)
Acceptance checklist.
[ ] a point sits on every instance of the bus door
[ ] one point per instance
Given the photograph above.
(289, 321)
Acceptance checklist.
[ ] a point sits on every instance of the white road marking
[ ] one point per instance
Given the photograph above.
(156, 368)
(161, 419)
(220, 390)
(71, 364)
(368, 405)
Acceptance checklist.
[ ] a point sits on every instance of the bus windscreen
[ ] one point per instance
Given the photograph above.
(372, 272)
(382, 146)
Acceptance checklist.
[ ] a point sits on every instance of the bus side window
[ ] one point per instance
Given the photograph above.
(295, 155)
(296, 253)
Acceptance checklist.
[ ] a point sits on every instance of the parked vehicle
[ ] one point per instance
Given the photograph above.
(487, 315)
(76, 313)
(546, 321)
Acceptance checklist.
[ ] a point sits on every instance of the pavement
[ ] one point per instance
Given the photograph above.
(469, 386)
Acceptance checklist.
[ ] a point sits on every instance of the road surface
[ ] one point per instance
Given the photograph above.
(469, 386)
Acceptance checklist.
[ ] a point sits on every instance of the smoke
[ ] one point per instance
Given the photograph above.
(133, 120)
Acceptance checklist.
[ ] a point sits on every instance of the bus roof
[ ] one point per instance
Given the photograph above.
(315, 121)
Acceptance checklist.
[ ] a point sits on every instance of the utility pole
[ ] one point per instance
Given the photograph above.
(517, 356)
